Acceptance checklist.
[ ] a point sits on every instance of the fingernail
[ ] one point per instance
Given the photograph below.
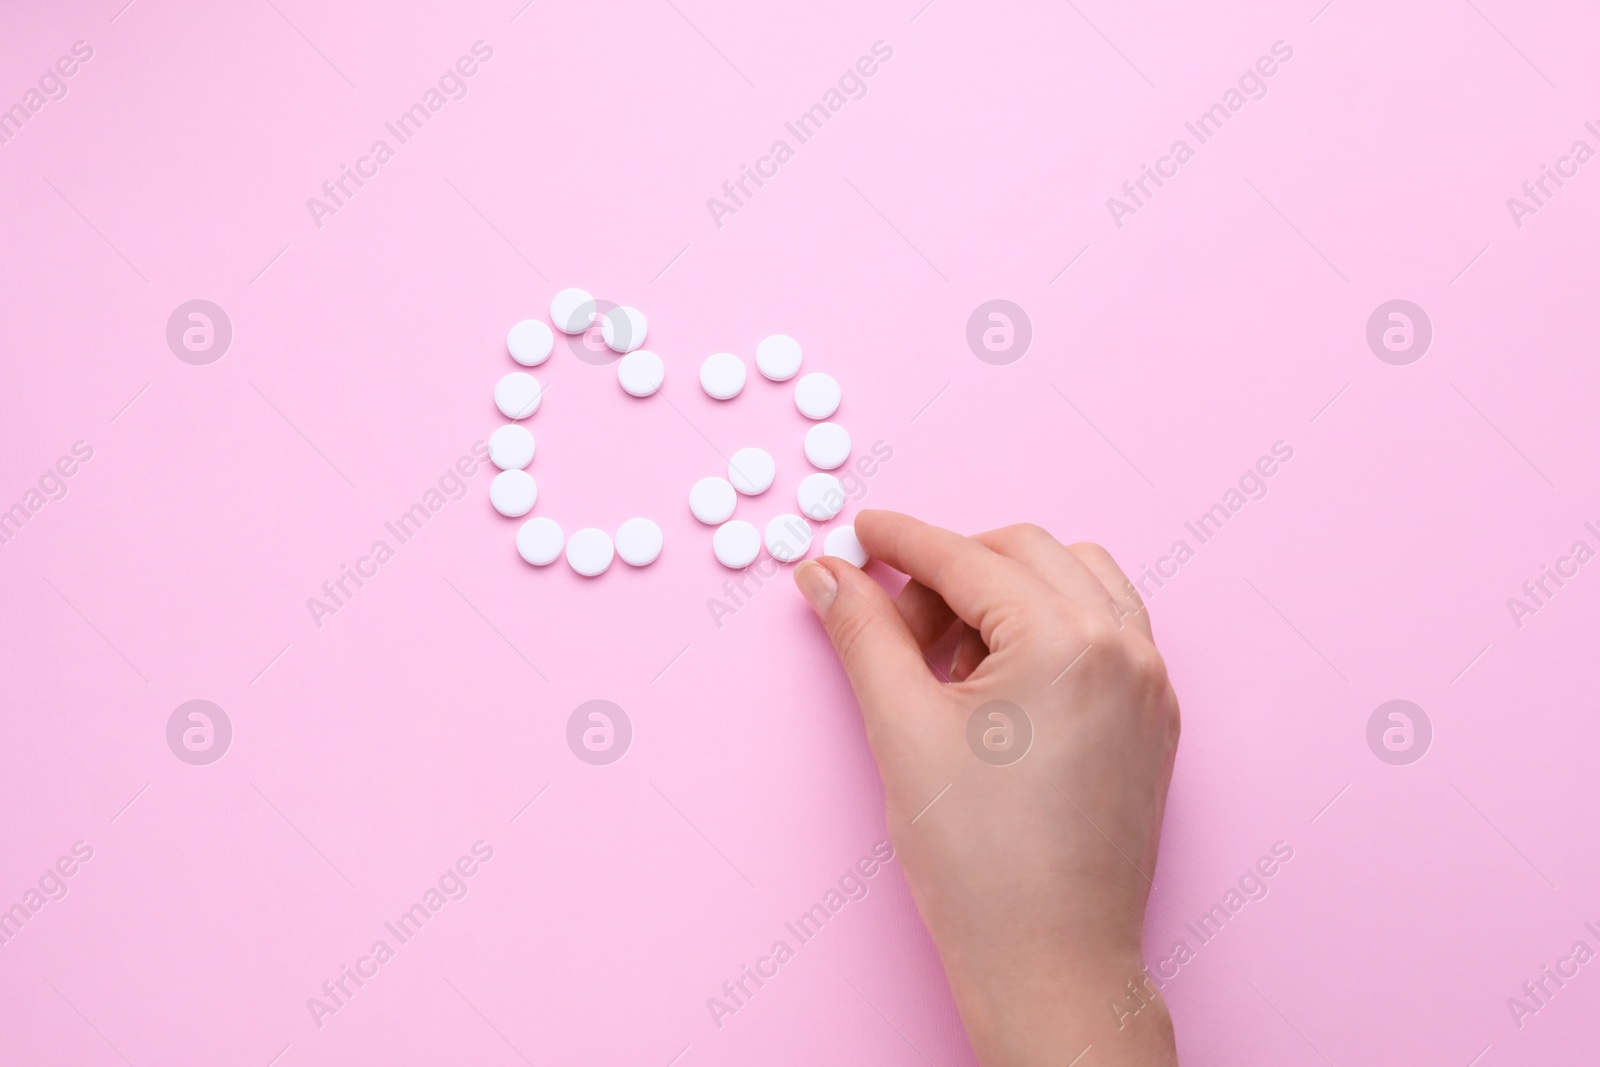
(817, 585)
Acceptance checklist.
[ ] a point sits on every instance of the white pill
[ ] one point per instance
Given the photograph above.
(817, 396)
(539, 541)
(513, 492)
(530, 342)
(751, 471)
(623, 329)
(821, 496)
(788, 538)
(511, 447)
(589, 552)
(778, 357)
(722, 375)
(641, 373)
(736, 544)
(517, 395)
(571, 310)
(638, 542)
(827, 445)
(712, 500)
(841, 541)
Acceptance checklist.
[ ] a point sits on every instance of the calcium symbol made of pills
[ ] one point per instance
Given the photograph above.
(712, 500)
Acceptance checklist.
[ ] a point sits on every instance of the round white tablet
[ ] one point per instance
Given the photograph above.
(589, 552)
(817, 396)
(736, 544)
(638, 542)
(827, 445)
(821, 496)
(530, 342)
(641, 373)
(712, 500)
(751, 471)
(517, 395)
(511, 447)
(513, 492)
(623, 329)
(722, 375)
(788, 538)
(841, 541)
(778, 357)
(572, 310)
(539, 541)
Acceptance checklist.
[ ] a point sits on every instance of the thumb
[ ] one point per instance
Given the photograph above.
(877, 649)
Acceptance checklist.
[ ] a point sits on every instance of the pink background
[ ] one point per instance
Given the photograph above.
(370, 753)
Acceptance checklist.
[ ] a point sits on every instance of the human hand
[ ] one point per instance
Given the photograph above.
(1032, 875)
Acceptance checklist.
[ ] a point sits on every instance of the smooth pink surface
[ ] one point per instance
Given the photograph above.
(371, 752)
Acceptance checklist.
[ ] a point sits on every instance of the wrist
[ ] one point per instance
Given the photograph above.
(1051, 1016)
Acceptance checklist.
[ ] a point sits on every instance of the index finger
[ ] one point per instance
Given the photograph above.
(974, 580)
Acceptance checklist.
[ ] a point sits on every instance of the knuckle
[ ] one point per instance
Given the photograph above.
(1056, 617)
(1032, 534)
(1097, 630)
(1072, 634)
(1095, 556)
(1021, 535)
(1145, 664)
(1098, 625)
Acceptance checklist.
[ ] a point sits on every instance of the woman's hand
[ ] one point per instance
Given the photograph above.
(1024, 794)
